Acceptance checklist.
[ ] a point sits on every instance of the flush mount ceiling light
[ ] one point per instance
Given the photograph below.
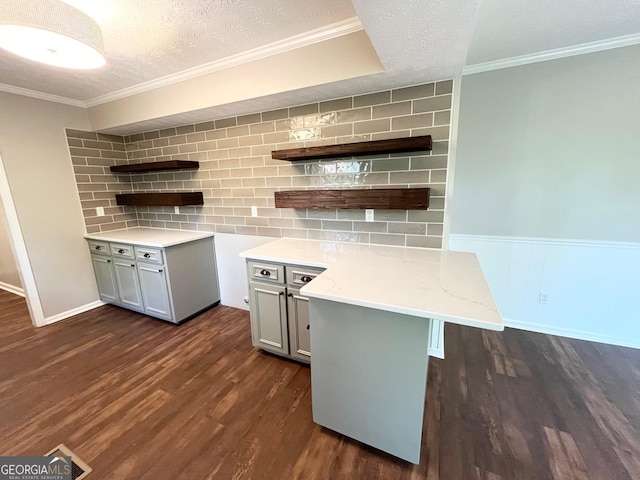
(51, 32)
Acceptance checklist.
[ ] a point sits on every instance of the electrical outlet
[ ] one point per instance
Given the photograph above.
(100, 211)
(176, 209)
(544, 298)
(254, 211)
(368, 215)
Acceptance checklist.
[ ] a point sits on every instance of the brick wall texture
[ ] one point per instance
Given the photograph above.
(237, 172)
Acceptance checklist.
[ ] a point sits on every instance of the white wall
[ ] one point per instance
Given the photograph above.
(40, 194)
(232, 270)
(9, 274)
(591, 287)
(546, 192)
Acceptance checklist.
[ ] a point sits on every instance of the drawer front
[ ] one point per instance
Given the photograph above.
(301, 275)
(122, 251)
(148, 254)
(266, 272)
(99, 248)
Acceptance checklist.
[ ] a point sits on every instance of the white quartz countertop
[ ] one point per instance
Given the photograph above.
(437, 284)
(153, 237)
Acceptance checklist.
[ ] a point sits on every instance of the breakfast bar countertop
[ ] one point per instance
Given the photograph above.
(437, 284)
(151, 237)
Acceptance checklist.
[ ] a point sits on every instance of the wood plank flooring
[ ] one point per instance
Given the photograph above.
(138, 398)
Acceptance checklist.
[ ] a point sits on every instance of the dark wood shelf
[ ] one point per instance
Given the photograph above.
(155, 166)
(377, 198)
(394, 145)
(160, 199)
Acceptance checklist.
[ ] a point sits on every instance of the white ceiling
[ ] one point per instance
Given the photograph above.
(417, 41)
(512, 28)
(148, 39)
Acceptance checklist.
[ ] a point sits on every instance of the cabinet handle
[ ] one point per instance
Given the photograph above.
(98, 247)
(290, 295)
(281, 293)
(160, 270)
(266, 273)
(133, 265)
(121, 251)
(308, 327)
(306, 279)
(108, 261)
(146, 255)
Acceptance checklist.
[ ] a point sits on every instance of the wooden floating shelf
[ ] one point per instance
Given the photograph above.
(160, 199)
(378, 198)
(155, 166)
(394, 145)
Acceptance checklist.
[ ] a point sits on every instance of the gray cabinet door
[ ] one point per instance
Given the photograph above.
(269, 317)
(299, 327)
(128, 284)
(155, 294)
(105, 278)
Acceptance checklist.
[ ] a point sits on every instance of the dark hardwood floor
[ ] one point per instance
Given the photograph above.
(138, 398)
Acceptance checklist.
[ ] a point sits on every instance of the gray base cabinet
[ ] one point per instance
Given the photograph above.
(279, 312)
(105, 278)
(269, 317)
(128, 285)
(155, 292)
(369, 375)
(299, 326)
(171, 283)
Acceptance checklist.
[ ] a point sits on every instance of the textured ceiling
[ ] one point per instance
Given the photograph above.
(417, 41)
(420, 40)
(148, 39)
(508, 28)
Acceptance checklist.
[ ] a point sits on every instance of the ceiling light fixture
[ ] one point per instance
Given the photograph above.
(51, 32)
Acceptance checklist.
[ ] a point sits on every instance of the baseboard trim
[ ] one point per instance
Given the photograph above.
(74, 311)
(12, 289)
(570, 333)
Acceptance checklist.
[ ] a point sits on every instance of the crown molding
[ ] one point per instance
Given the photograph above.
(318, 35)
(25, 92)
(334, 30)
(554, 54)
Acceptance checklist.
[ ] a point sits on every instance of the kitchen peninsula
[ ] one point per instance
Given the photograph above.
(371, 314)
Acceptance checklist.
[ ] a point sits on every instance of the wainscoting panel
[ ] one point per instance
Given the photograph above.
(579, 289)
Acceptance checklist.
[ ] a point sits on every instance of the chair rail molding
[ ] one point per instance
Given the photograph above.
(574, 288)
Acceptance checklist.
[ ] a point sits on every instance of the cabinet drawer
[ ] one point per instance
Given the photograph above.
(151, 255)
(122, 251)
(100, 248)
(266, 272)
(301, 275)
